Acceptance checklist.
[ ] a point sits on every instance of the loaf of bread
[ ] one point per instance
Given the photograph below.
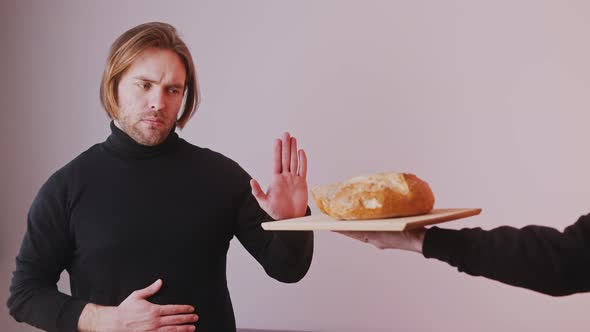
(382, 195)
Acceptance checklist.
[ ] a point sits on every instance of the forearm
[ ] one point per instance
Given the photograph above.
(46, 250)
(292, 254)
(285, 256)
(288, 256)
(35, 299)
(535, 257)
(44, 307)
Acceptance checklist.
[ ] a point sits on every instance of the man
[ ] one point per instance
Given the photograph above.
(146, 208)
(534, 257)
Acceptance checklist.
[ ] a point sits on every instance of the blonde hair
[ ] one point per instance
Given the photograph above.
(126, 49)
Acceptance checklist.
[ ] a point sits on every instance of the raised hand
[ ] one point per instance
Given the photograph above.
(287, 194)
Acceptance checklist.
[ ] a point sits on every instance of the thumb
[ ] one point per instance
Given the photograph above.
(257, 192)
(148, 291)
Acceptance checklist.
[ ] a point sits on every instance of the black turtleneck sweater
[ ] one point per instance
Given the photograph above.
(122, 215)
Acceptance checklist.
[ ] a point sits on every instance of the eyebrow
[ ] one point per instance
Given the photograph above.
(145, 79)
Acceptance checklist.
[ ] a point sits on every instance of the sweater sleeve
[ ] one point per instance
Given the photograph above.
(534, 257)
(285, 256)
(45, 252)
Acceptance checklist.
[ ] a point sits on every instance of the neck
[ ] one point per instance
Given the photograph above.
(124, 145)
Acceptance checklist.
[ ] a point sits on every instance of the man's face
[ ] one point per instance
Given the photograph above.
(149, 95)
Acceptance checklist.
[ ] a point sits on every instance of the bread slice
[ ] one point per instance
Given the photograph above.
(381, 195)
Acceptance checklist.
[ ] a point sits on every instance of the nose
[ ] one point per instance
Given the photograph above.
(157, 100)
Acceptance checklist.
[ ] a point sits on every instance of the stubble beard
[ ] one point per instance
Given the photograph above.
(143, 133)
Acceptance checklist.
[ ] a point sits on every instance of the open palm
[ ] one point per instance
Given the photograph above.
(287, 193)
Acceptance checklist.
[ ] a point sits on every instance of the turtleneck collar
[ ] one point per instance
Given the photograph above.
(122, 144)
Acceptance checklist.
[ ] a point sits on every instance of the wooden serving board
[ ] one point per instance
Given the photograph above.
(323, 222)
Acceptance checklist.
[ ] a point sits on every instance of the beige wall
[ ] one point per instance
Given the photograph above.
(487, 100)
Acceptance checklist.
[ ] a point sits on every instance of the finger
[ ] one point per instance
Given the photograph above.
(148, 291)
(286, 152)
(277, 167)
(293, 156)
(302, 164)
(257, 191)
(178, 319)
(175, 309)
(182, 328)
(361, 236)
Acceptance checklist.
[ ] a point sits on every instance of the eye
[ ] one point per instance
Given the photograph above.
(174, 91)
(145, 85)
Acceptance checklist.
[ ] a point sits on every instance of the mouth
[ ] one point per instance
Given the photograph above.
(153, 122)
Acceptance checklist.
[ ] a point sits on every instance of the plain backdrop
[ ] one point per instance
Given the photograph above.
(488, 101)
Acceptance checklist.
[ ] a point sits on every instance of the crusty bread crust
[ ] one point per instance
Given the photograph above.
(382, 195)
